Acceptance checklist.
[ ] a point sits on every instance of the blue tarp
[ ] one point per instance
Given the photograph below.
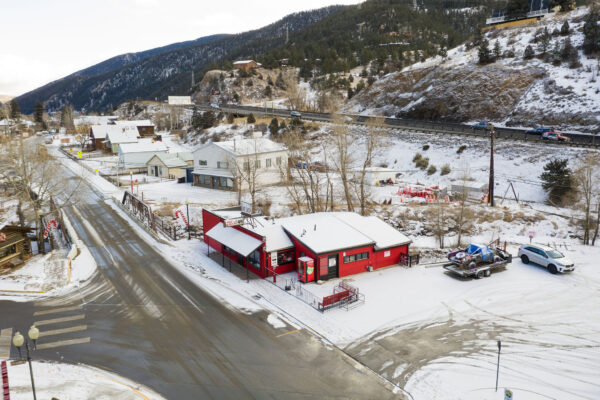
(486, 252)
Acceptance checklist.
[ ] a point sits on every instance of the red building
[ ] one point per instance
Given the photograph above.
(339, 243)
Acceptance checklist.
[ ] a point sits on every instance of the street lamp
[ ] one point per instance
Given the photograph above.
(18, 340)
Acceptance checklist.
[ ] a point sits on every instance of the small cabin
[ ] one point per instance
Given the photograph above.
(15, 246)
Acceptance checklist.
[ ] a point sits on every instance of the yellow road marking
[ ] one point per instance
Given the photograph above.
(130, 387)
(287, 333)
(57, 320)
(56, 310)
(21, 291)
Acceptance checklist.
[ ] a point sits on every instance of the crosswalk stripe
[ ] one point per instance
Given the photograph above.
(57, 320)
(61, 343)
(64, 330)
(56, 310)
(6, 332)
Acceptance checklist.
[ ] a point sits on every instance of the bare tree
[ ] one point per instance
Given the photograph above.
(463, 215)
(32, 174)
(586, 180)
(295, 94)
(342, 138)
(247, 170)
(373, 144)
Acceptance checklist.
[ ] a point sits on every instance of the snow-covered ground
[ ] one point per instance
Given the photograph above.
(66, 382)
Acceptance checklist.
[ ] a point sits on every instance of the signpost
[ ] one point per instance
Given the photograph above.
(498, 366)
(531, 235)
(246, 208)
(508, 394)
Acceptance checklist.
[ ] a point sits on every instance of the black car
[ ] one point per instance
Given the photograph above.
(539, 131)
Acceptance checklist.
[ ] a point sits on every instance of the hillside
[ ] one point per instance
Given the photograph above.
(164, 72)
(512, 90)
(4, 98)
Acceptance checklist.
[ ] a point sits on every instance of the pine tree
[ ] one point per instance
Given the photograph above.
(567, 50)
(564, 29)
(528, 54)
(274, 126)
(591, 32)
(251, 119)
(38, 112)
(557, 180)
(15, 110)
(497, 50)
(485, 56)
(544, 42)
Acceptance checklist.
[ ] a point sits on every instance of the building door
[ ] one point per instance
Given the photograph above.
(332, 267)
(215, 182)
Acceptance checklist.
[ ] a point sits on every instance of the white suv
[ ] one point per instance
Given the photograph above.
(545, 256)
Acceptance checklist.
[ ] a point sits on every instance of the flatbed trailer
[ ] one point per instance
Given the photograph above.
(480, 271)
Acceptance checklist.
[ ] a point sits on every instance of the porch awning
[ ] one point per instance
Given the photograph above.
(234, 239)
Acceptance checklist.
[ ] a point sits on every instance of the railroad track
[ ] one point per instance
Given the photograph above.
(576, 139)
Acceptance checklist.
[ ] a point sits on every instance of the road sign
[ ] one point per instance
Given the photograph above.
(79, 154)
(508, 394)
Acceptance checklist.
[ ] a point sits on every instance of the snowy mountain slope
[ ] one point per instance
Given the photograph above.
(511, 90)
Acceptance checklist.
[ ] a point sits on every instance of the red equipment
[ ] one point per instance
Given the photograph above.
(306, 269)
(52, 223)
(180, 213)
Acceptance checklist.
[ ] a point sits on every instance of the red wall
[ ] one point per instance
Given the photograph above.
(393, 259)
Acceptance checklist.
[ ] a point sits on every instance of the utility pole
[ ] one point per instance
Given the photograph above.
(498, 365)
(491, 182)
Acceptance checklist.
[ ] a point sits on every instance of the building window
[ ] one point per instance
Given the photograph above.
(285, 257)
(278, 160)
(226, 182)
(202, 162)
(254, 259)
(356, 257)
(267, 162)
(246, 165)
(222, 164)
(257, 164)
(203, 180)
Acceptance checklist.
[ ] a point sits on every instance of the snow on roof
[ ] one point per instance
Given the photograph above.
(243, 62)
(141, 147)
(240, 242)
(272, 231)
(324, 232)
(185, 155)
(213, 172)
(170, 160)
(101, 131)
(141, 122)
(122, 134)
(384, 235)
(249, 146)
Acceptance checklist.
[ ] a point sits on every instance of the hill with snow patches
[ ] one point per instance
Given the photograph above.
(512, 90)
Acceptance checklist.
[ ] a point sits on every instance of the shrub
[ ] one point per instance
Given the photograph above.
(528, 54)
(461, 149)
(445, 170)
(230, 118)
(431, 170)
(422, 163)
(426, 147)
(251, 119)
(417, 157)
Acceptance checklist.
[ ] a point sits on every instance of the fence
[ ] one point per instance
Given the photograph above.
(296, 289)
(409, 259)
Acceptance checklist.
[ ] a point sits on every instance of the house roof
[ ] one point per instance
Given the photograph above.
(140, 122)
(324, 232)
(242, 147)
(240, 242)
(276, 238)
(243, 62)
(213, 172)
(120, 134)
(185, 155)
(170, 160)
(142, 147)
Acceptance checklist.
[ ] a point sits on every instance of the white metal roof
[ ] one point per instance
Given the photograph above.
(249, 146)
(122, 134)
(240, 242)
(213, 172)
(323, 232)
(142, 147)
(170, 160)
(141, 122)
(271, 230)
(243, 62)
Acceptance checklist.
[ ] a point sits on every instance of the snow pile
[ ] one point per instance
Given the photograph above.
(66, 381)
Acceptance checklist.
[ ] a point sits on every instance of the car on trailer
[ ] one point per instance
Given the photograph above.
(477, 261)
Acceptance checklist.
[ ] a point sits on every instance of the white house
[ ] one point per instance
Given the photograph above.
(168, 166)
(121, 135)
(180, 100)
(225, 165)
(137, 155)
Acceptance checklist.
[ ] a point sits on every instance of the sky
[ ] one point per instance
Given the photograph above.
(43, 40)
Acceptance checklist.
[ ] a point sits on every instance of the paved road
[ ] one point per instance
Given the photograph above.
(435, 127)
(141, 318)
